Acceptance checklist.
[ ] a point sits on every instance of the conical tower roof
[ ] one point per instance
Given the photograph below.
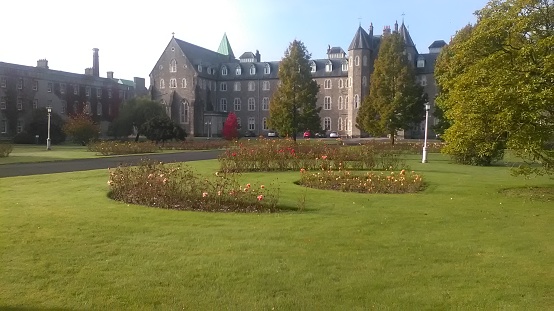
(225, 47)
(360, 41)
(406, 36)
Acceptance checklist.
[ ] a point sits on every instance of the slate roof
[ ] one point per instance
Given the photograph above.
(201, 56)
(245, 71)
(406, 35)
(360, 41)
(437, 44)
(430, 60)
(335, 72)
(247, 55)
(335, 50)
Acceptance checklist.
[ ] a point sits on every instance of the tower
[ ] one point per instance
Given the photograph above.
(359, 70)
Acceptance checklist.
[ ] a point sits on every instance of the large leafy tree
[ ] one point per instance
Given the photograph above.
(81, 128)
(37, 124)
(395, 101)
(133, 114)
(162, 128)
(293, 105)
(496, 84)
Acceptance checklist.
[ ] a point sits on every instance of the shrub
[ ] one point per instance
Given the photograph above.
(230, 127)
(23, 138)
(162, 128)
(118, 147)
(5, 150)
(196, 144)
(177, 187)
(82, 128)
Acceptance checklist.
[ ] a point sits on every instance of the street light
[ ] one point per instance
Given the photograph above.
(209, 124)
(427, 107)
(48, 141)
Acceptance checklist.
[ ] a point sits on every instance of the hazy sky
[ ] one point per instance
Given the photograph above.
(131, 35)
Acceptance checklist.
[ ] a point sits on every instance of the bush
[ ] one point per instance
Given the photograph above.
(5, 150)
(82, 128)
(196, 144)
(177, 187)
(118, 147)
(23, 138)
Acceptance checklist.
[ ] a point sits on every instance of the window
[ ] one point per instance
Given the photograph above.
(364, 81)
(251, 104)
(19, 126)
(340, 125)
(239, 124)
(265, 103)
(209, 85)
(87, 108)
(75, 89)
(184, 112)
(341, 84)
(199, 68)
(356, 101)
(252, 70)
(238, 71)
(267, 69)
(3, 82)
(327, 84)
(264, 124)
(329, 66)
(172, 83)
(162, 84)
(348, 125)
(357, 61)
(420, 63)
(173, 66)
(35, 85)
(237, 87)
(265, 86)
(223, 86)
(223, 104)
(327, 123)
(87, 91)
(346, 102)
(423, 80)
(35, 103)
(109, 93)
(251, 123)
(409, 56)
(350, 82)
(2, 103)
(341, 103)
(236, 104)
(313, 66)
(49, 88)
(327, 103)
(4, 126)
(224, 70)
(19, 103)
(99, 92)
(166, 107)
(184, 83)
(364, 60)
(345, 65)
(99, 109)
(62, 88)
(251, 86)
(20, 83)
(64, 107)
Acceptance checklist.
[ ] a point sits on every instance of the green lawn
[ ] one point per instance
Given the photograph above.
(463, 244)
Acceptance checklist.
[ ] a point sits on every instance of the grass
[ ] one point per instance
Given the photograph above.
(460, 244)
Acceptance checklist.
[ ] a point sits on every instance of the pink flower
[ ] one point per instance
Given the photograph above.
(204, 194)
(324, 157)
(260, 197)
(247, 185)
(302, 170)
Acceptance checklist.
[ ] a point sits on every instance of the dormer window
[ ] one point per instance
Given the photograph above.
(238, 71)
(313, 66)
(199, 68)
(329, 66)
(345, 65)
(252, 70)
(267, 69)
(224, 70)
(421, 63)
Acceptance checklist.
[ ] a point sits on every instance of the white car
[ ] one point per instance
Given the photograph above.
(334, 135)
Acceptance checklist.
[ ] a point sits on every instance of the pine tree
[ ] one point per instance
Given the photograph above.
(395, 101)
(230, 127)
(293, 105)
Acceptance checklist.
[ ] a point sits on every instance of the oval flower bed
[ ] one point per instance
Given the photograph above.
(371, 182)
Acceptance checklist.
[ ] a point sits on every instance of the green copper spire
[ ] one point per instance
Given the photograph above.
(225, 47)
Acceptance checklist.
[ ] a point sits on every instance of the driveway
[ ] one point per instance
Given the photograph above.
(25, 169)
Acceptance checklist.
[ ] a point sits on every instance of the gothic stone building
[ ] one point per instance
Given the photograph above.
(198, 87)
(24, 88)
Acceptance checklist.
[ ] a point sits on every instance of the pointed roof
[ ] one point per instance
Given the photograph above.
(225, 47)
(437, 44)
(406, 35)
(360, 41)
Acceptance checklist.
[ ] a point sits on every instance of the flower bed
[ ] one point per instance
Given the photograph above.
(177, 187)
(118, 147)
(196, 144)
(346, 181)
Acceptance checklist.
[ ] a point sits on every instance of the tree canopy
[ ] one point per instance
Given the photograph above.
(81, 128)
(395, 101)
(230, 127)
(162, 128)
(37, 124)
(293, 105)
(133, 114)
(495, 81)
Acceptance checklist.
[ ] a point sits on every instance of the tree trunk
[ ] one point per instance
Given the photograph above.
(137, 137)
(392, 138)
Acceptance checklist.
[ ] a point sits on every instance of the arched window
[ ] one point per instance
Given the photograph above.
(356, 101)
(364, 81)
(327, 123)
(251, 124)
(340, 124)
(166, 107)
(341, 103)
(223, 104)
(344, 65)
(173, 66)
(267, 69)
(357, 61)
(224, 70)
(184, 112)
(329, 66)
(236, 104)
(265, 103)
(313, 66)
(327, 84)
(252, 70)
(264, 124)
(341, 84)
(184, 83)
(162, 84)
(346, 102)
(238, 70)
(251, 104)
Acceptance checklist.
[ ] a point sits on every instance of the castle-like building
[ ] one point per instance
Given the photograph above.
(24, 88)
(198, 87)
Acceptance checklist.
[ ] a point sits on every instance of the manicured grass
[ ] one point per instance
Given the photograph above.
(460, 244)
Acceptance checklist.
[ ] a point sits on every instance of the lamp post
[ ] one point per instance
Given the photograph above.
(48, 141)
(209, 125)
(427, 107)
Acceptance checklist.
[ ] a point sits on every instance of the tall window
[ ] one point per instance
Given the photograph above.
(162, 84)
(98, 92)
(62, 88)
(265, 85)
(99, 109)
(264, 124)
(347, 124)
(64, 107)
(20, 83)
(4, 126)
(238, 70)
(172, 83)
(327, 84)
(356, 101)
(251, 104)
(19, 103)
(223, 86)
(184, 112)
(236, 104)
(87, 91)
(3, 82)
(223, 104)
(329, 66)
(346, 102)
(75, 89)
(313, 66)
(251, 123)
(173, 66)
(251, 86)
(340, 124)
(341, 84)
(2, 103)
(224, 70)
(327, 123)
(184, 83)
(341, 103)
(237, 87)
(252, 70)
(327, 103)
(35, 85)
(364, 81)
(345, 65)
(364, 60)
(267, 69)
(19, 126)
(265, 103)
(423, 80)
(357, 61)
(239, 123)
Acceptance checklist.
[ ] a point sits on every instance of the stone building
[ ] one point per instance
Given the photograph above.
(198, 86)
(24, 88)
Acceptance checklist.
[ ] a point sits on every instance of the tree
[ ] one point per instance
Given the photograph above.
(293, 105)
(496, 85)
(395, 101)
(230, 127)
(81, 128)
(38, 125)
(133, 114)
(162, 128)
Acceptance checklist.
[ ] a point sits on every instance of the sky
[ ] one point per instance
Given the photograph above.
(131, 35)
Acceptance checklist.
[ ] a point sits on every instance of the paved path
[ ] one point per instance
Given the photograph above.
(25, 169)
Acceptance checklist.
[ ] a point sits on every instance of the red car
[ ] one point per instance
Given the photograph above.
(307, 134)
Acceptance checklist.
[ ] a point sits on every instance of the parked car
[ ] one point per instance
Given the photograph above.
(307, 134)
(272, 134)
(320, 135)
(334, 135)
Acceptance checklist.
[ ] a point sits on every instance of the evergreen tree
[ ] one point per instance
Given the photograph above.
(162, 128)
(395, 101)
(230, 127)
(133, 114)
(293, 105)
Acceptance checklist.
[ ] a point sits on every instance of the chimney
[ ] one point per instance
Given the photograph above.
(396, 26)
(110, 75)
(258, 56)
(95, 63)
(386, 31)
(88, 71)
(371, 30)
(42, 63)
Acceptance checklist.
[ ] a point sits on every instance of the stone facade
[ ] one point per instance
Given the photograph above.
(199, 87)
